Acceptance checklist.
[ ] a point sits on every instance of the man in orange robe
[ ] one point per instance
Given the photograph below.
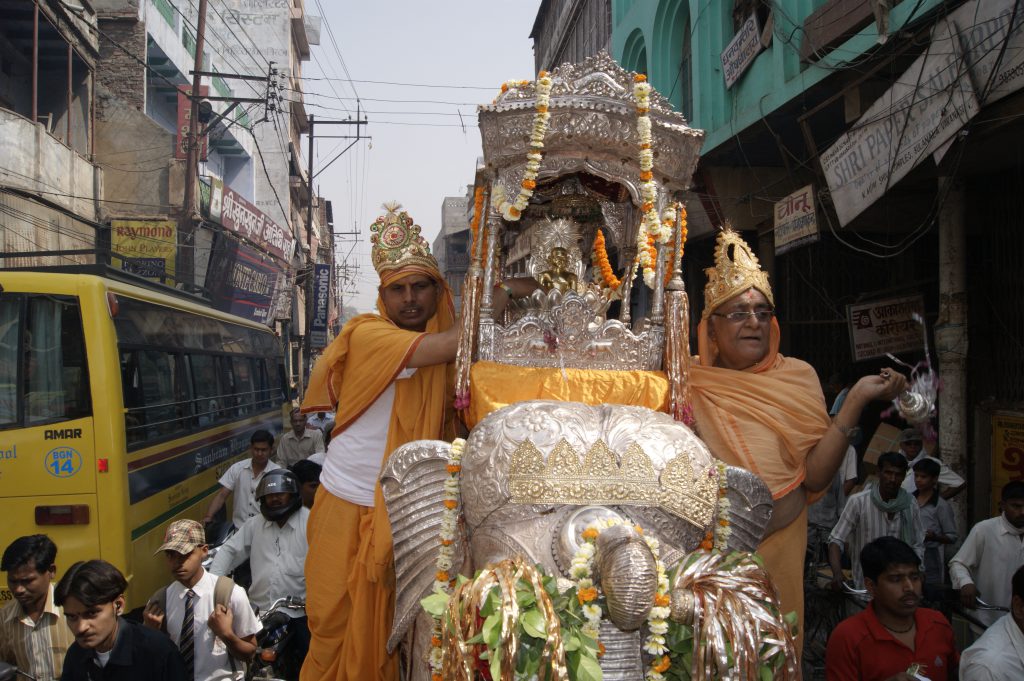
(766, 413)
(389, 377)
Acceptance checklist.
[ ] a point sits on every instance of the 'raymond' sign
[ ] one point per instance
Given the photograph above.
(885, 326)
(321, 305)
(255, 226)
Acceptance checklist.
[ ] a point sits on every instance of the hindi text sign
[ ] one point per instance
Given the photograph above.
(796, 222)
(255, 226)
(741, 50)
(184, 115)
(885, 326)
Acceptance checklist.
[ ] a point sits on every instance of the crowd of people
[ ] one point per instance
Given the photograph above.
(311, 521)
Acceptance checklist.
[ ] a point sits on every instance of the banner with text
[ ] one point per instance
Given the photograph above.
(242, 281)
(925, 107)
(882, 326)
(145, 247)
(321, 305)
(796, 222)
(255, 226)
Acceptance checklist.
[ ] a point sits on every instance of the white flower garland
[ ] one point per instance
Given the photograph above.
(446, 554)
(513, 210)
(650, 225)
(581, 570)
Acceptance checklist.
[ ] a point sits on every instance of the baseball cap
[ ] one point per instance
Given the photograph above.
(911, 435)
(183, 536)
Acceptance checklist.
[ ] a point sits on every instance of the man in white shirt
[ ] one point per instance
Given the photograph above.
(297, 444)
(993, 550)
(999, 654)
(241, 480)
(275, 544)
(912, 447)
(882, 510)
(222, 635)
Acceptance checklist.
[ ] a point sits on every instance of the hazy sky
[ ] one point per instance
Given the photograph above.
(420, 152)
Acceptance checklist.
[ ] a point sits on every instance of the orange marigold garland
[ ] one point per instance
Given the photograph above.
(474, 224)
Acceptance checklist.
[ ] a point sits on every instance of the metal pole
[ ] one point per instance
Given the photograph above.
(35, 64)
(951, 336)
(310, 284)
(69, 96)
(186, 230)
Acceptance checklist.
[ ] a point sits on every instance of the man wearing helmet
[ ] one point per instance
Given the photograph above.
(275, 544)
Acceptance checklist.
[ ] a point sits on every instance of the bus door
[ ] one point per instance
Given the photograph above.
(47, 466)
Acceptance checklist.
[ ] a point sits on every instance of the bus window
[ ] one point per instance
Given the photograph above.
(262, 388)
(10, 311)
(55, 374)
(155, 395)
(243, 384)
(208, 393)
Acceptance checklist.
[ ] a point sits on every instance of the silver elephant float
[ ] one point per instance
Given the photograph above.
(534, 476)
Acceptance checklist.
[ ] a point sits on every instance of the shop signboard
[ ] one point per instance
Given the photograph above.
(796, 222)
(1007, 452)
(321, 305)
(253, 225)
(146, 248)
(741, 50)
(923, 109)
(241, 280)
(885, 326)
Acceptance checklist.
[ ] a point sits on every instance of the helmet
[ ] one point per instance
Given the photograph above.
(278, 481)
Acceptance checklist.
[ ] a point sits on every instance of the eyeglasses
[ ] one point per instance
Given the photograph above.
(740, 316)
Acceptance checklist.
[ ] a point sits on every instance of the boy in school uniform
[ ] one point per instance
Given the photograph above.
(209, 618)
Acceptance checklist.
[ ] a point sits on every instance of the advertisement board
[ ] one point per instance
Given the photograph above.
(144, 247)
(321, 305)
(242, 281)
(1007, 452)
(885, 326)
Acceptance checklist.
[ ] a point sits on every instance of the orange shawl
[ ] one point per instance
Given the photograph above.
(358, 366)
(764, 419)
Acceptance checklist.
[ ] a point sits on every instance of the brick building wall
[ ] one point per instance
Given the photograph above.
(119, 74)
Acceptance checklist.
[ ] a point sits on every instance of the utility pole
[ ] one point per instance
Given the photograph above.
(358, 122)
(186, 228)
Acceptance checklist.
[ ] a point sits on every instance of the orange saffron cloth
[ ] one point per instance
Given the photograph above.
(765, 419)
(350, 567)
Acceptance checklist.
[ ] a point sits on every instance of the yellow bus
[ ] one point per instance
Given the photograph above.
(120, 407)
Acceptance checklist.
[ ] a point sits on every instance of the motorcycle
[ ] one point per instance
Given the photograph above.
(9, 672)
(272, 661)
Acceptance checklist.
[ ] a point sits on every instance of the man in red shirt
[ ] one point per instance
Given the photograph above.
(892, 639)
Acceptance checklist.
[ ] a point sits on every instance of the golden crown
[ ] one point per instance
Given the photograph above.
(397, 242)
(736, 270)
(601, 478)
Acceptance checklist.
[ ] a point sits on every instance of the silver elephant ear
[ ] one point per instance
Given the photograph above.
(413, 484)
(750, 508)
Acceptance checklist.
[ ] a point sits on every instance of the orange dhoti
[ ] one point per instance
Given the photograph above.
(350, 612)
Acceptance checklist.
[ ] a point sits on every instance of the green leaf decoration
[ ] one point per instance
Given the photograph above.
(587, 669)
(435, 604)
(492, 629)
(496, 664)
(533, 623)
